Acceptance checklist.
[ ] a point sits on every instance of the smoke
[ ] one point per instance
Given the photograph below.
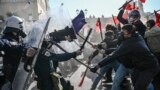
(60, 18)
(35, 30)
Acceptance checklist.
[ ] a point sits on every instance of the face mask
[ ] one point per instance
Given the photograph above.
(21, 33)
(132, 20)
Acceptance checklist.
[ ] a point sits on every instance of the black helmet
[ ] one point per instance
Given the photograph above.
(134, 14)
(150, 23)
(109, 33)
(14, 24)
(130, 28)
(110, 27)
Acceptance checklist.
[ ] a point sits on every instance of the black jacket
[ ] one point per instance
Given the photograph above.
(13, 50)
(43, 66)
(132, 53)
(140, 27)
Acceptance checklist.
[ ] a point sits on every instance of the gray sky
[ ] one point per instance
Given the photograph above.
(99, 7)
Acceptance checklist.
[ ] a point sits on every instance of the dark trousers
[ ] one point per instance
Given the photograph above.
(156, 81)
(108, 75)
(2, 81)
(45, 83)
(9, 72)
(141, 79)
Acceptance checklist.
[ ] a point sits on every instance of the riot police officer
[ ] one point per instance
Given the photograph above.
(11, 45)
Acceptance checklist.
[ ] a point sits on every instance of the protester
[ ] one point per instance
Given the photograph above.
(152, 36)
(109, 44)
(139, 58)
(134, 19)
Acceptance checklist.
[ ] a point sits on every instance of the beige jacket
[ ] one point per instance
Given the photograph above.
(153, 39)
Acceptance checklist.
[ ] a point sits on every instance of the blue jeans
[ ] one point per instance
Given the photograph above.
(150, 87)
(103, 70)
(120, 75)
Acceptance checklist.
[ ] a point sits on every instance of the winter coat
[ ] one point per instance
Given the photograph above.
(140, 27)
(135, 53)
(153, 39)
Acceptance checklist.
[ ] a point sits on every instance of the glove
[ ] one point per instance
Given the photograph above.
(94, 46)
(68, 38)
(102, 51)
(30, 52)
(78, 52)
(94, 69)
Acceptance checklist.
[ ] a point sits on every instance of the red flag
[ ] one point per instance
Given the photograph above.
(157, 18)
(129, 7)
(125, 15)
(143, 1)
(98, 25)
(116, 21)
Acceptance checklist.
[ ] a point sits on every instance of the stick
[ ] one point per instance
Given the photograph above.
(125, 4)
(154, 12)
(100, 27)
(86, 39)
(82, 80)
(75, 58)
(85, 73)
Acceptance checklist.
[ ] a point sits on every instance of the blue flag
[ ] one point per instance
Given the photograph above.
(79, 21)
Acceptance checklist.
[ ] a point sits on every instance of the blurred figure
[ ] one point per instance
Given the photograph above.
(134, 19)
(152, 36)
(137, 57)
(12, 46)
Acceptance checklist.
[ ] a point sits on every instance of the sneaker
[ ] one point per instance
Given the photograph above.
(107, 81)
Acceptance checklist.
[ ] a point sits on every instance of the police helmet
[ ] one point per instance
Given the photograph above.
(14, 24)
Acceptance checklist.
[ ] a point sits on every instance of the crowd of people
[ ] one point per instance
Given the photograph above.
(133, 51)
(136, 54)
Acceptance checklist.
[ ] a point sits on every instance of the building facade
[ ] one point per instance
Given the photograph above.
(27, 9)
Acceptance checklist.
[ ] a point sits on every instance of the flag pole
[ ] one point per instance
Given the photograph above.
(74, 30)
(62, 4)
(154, 12)
(125, 4)
(100, 27)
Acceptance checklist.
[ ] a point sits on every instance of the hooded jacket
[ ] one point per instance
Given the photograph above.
(153, 39)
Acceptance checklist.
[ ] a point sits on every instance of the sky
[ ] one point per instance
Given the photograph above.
(99, 7)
